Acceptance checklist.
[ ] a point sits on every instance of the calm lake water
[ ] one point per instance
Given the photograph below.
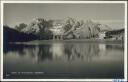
(64, 60)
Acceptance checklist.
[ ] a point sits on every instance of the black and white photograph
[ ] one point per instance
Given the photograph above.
(64, 40)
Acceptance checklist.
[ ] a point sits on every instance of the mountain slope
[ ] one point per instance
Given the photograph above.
(70, 27)
(12, 35)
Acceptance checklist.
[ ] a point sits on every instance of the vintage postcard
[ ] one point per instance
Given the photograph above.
(64, 41)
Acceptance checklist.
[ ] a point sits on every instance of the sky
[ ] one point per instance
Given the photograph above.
(106, 13)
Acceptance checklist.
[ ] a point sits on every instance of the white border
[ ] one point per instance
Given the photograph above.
(82, 2)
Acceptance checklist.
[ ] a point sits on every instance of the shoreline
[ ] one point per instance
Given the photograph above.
(37, 42)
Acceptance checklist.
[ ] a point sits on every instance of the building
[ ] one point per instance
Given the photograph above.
(57, 31)
(115, 34)
(102, 35)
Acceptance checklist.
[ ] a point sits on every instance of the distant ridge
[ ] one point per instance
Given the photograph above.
(42, 29)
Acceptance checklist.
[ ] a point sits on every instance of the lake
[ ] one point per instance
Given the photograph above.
(63, 60)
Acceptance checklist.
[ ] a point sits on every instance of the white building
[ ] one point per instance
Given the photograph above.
(57, 31)
(102, 35)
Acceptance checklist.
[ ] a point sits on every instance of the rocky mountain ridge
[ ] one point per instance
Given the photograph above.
(70, 27)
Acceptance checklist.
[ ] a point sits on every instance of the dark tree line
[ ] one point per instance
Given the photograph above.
(12, 35)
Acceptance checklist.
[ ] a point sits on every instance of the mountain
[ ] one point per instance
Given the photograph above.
(35, 26)
(88, 29)
(40, 28)
(70, 27)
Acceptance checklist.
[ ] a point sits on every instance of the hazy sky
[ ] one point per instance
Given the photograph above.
(111, 14)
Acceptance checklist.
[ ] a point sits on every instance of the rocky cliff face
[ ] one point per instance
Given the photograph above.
(81, 29)
(39, 27)
(71, 28)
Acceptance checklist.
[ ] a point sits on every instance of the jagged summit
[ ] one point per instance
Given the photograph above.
(67, 27)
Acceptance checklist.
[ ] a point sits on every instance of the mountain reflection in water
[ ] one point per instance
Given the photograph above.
(66, 53)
